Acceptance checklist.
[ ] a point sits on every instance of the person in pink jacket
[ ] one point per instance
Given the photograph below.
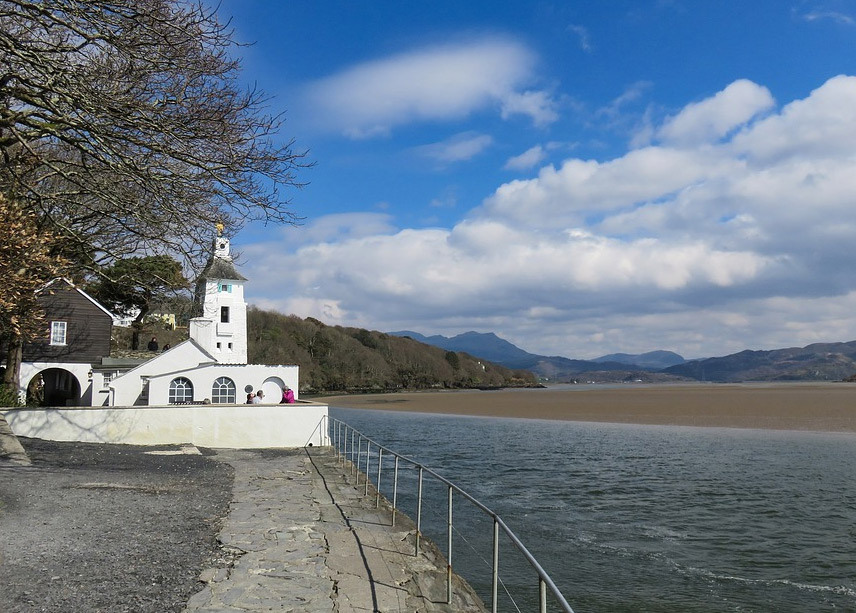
(287, 396)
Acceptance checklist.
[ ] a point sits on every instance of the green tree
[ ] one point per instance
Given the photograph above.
(134, 285)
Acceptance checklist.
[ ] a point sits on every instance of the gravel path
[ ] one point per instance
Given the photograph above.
(108, 528)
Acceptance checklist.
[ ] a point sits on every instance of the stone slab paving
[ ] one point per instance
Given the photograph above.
(302, 537)
(11, 451)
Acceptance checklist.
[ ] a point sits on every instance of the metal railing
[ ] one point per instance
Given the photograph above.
(350, 444)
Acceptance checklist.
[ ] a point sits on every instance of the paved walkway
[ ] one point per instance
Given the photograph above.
(310, 541)
(300, 536)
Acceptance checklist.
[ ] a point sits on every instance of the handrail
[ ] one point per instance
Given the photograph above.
(339, 430)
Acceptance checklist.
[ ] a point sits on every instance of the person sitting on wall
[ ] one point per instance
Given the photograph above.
(287, 396)
(167, 347)
(251, 398)
(259, 397)
(153, 344)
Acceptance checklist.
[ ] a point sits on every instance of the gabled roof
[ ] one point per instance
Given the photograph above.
(78, 290)
(219, 268)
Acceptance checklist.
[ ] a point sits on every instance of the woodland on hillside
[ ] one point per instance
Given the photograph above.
(336, 358)
(341, 359)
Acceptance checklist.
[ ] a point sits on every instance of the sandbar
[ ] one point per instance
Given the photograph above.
(821, 407)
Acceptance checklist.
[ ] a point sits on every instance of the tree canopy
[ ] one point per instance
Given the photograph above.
(123, 126)
(26, 265)
(125, 133)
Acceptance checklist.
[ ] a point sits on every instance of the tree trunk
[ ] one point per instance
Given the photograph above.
(13, 363)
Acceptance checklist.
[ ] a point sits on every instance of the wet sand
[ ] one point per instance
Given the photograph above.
(822, 407)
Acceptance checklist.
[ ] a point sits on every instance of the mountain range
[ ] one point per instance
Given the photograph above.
(816, 362)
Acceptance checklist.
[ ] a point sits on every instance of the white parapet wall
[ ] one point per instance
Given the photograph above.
(217, 426)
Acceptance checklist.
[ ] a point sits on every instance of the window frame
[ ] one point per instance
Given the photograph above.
(59, 333)
(224, 391)
(183, 385)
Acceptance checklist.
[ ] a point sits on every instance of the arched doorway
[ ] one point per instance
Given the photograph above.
(53, 387)
(272, 387)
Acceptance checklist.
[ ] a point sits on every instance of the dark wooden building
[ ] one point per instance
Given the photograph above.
(77, 328)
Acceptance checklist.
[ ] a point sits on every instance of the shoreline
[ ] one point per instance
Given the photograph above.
(807, 406)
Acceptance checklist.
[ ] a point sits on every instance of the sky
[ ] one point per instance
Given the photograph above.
(579, 178)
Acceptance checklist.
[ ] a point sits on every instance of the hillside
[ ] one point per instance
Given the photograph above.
(336, 358)
(817, 362)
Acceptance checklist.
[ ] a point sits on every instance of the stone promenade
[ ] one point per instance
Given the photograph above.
(306, 539)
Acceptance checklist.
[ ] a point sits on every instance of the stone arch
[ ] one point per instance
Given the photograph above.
(53, 387)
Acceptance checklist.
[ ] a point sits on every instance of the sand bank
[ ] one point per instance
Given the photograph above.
(824, 407)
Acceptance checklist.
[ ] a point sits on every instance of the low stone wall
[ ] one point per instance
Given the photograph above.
(218, 426)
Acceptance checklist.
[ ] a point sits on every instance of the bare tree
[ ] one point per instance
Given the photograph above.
(124, 131)
(124, 128)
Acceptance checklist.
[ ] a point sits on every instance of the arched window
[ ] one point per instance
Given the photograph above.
(223, 391)
(180, 390)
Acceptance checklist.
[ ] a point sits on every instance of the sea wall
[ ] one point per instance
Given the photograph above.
(217, 426)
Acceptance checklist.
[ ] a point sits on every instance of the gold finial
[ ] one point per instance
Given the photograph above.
(220, 227)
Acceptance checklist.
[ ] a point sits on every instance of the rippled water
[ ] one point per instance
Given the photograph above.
(641, 518)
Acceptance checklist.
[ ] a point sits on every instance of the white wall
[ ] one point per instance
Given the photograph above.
(215, 426)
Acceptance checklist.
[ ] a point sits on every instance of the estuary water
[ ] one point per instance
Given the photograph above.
(637, 518)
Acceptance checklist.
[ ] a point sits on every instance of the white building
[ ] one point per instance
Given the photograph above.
(211, 366)
(194, 392)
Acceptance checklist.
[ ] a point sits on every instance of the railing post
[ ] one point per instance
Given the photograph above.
(449, 557)
(368, 460)
(495, 580)
(395, 490)
(418, 512)
(542, 590)
(359, 459)
(379, 463)
(353, 435)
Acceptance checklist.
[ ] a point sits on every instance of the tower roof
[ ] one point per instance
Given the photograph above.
(219, 268)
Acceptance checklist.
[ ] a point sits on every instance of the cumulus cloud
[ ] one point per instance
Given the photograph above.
(736, 223)
(435, 83)
(711, 119)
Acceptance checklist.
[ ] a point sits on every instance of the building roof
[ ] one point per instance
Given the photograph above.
(219, 268)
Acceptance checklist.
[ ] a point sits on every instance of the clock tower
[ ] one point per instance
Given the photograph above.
(219, 324)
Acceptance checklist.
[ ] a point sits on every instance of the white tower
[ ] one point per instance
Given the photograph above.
(220, 322)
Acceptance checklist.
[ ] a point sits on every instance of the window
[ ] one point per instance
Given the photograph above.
(58, 332)
(218, 346)
(224, 315)
(225, 288)
(230, 346)
(180, 390)
(223, 391)
(108, 377)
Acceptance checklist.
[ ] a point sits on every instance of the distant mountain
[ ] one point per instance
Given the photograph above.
(817, 362)
(488, 346)
(655, 360)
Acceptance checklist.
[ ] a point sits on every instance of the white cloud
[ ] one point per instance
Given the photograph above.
(526, 160)
(458, 148)
(736, 228)
(711, 119)
(435, 83)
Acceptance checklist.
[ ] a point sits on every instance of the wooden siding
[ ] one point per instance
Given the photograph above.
(87, 334)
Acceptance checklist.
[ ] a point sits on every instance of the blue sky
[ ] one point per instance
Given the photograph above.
(580, 177)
